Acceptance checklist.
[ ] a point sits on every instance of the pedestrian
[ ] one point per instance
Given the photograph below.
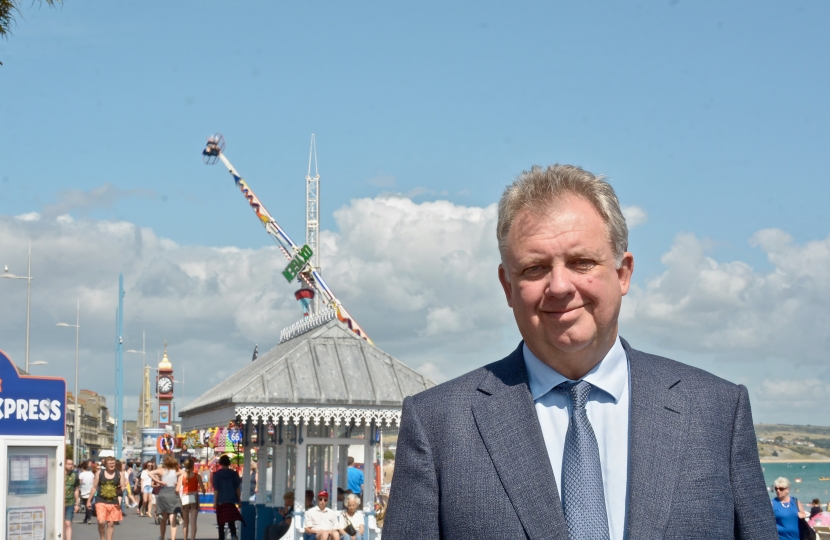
(321, 523)
(71, 497)
(146, 489)
(226, 497)
(191, 485)
(105, 488)
(167, 500)
(86, 478)
(787, 510)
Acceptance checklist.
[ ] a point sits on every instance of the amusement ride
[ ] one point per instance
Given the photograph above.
(303, 261)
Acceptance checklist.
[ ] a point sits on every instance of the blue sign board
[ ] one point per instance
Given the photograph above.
(30, 405)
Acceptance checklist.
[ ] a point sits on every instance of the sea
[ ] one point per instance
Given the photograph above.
(810, 486)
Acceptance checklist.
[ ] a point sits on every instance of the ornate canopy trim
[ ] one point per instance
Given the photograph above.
(318, 415)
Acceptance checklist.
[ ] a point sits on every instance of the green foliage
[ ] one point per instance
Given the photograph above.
(7, 13)
(387, 454)
(69, 450)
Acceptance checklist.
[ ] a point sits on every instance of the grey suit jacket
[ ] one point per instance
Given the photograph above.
(471, 461)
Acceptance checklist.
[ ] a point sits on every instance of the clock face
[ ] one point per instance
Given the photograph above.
(165, 385)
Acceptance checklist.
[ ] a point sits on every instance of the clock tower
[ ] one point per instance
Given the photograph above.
(164, 388)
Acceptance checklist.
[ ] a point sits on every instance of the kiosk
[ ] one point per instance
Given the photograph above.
(32, 437)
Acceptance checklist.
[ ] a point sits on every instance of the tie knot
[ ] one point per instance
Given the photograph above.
(578, 391)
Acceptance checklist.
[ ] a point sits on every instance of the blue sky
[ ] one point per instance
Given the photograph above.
(709, 117)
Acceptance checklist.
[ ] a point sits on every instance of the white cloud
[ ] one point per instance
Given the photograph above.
(634, 215)
(30, 216)
(419, 277)
(701, 305)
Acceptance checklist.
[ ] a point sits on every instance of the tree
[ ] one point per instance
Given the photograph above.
(7, 12)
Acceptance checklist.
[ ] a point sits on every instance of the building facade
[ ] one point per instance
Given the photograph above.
(97, 428)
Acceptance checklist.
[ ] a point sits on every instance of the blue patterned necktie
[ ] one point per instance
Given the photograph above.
(583, 498)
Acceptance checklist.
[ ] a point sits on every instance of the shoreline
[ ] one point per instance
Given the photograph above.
(773, 460)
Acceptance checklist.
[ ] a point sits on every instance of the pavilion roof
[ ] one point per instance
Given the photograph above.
(329, 366)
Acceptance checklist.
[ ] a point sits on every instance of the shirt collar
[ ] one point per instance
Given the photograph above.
(610, 375)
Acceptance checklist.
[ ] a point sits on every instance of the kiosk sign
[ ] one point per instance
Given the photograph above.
(30, 405)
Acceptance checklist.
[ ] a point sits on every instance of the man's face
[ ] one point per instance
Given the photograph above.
(560, 279)
(322, 502)
(69, 465)
(109, 465)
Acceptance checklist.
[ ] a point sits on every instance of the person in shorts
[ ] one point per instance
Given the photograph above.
(191, 485)
(71, 497)
(107, 486)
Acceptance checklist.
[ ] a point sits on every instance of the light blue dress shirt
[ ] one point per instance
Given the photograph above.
(607, 410)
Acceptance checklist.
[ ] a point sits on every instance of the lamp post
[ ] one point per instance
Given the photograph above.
(28, 279)
(143, 353)
(39, 363)
(77, 327)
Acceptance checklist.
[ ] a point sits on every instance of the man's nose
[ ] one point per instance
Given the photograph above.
(560, 283)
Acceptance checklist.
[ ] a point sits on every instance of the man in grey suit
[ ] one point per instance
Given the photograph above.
(575, 434)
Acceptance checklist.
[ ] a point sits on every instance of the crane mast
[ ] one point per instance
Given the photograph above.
(302, 265)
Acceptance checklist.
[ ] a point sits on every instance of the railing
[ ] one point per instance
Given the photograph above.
(307, 324)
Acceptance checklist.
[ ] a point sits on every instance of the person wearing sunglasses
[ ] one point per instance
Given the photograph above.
(321, 522)
(787, 510)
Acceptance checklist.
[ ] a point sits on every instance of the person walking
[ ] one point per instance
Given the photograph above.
(191, 485)
(71, 498)
(105, 488)
(226, 497)
(167, 500)
(86, 478)
(146, 489)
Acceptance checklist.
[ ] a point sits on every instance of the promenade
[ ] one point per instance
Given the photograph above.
(139, 528)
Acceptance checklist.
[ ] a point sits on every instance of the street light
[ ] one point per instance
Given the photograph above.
(28, 279)
(143, 353)
(77, 327)
(39, 363)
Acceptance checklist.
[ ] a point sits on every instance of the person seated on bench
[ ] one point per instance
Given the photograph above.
(321, 523)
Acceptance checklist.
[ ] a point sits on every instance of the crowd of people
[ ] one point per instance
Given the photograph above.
(104, 490)
(170, 495)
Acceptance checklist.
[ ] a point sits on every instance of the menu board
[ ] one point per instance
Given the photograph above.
(28, 474)
(26, 523)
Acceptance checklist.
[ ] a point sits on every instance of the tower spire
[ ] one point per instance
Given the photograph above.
(312, 214)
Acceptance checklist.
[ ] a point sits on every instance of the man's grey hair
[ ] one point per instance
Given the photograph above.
(781, 482)
(352, 497)
(537, 189)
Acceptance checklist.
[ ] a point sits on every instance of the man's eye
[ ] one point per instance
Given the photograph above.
(584, 264)
(534, 271)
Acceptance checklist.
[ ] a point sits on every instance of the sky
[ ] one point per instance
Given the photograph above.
(708, 118)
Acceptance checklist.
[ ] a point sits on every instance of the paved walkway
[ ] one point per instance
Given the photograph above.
(139, 528)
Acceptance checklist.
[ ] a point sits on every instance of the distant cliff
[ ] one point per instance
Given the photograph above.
(785, 442)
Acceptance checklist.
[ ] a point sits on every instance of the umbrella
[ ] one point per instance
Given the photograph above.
(820, 520)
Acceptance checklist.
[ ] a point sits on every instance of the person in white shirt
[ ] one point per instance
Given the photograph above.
(86, 477)
(321, 523)
(351, 519)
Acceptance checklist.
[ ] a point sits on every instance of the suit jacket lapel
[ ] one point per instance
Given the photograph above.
(657, 424)
(506, 419)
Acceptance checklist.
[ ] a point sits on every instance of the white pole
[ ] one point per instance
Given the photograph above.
(28, 304)
(77, 404)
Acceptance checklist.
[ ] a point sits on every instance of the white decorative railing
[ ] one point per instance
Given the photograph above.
(318, 415)
(307, 324)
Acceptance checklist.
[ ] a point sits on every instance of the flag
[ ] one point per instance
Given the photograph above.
(255, 353)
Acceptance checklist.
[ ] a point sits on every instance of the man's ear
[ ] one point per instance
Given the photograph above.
(506, 285)
(624, 272)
